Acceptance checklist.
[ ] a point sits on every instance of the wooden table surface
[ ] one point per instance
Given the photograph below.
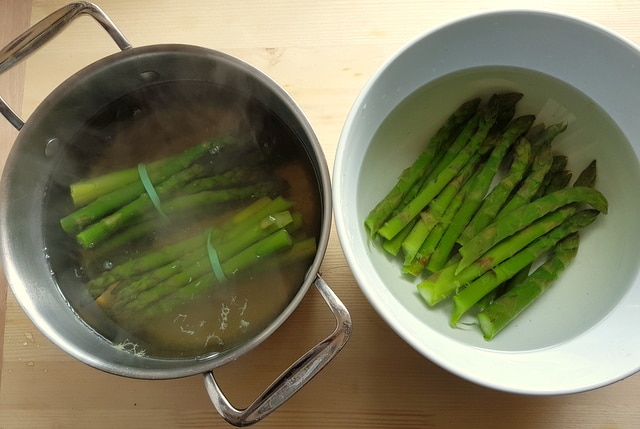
(322, 52)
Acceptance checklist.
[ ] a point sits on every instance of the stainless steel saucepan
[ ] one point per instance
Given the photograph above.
(41, 151)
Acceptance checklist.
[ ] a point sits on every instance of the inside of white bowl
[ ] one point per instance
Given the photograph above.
(568, 70)
(587, 291)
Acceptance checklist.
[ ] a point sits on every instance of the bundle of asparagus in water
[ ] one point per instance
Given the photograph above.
(201, 219)
(486, 212)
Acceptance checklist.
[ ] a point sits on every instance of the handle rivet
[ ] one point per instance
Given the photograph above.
(51, 147)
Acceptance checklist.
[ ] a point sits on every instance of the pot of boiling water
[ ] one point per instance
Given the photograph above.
(157, 100)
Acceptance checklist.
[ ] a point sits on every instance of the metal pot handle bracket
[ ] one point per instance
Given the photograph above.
(42, 32)
(296, 376)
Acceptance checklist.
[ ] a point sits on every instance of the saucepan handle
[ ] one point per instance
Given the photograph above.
(42, 32)
(296, 376)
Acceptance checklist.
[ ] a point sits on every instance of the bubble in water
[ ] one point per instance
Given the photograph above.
(51, 147)
(107, 265)
(78, 272)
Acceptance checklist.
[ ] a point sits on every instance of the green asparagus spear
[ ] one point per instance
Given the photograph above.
(466, 298)
(545, 137)
(99, 231)
(419, 168)
(523, 216)
(234, 177)
(558, 164)
(124, 238)
(535, 132)
(228, 230)
(461, 140)
(587, 177)
(205, 198)
(519, 277)
(435, 288)
(87, 190)
(110, 202)
(256, 211)
(549, 134)
(467, 132)
(507, 307)
(88, 237)
(505, 107)
(394, 244)
(425, 252)
(433, 188)
(105, 205)
(508, 102)
(443, 283)
(481, 185)
(560, 180)
(537, 179)
(412, 242)
(434, 211)
(271, 244)
(492, 204)
(127, 291)
(144, 263)
(531, 183)
(440, 284)
(429, 246)
(150, 224)
(440, 162)
(436, 220)
(300, 250)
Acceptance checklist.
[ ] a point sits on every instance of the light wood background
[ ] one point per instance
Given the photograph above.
(322, 52)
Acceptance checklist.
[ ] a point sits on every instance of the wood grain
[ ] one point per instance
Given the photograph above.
(15, 16)
(322, 52)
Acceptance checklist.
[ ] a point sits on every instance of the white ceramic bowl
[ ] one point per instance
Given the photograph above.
(582, 333)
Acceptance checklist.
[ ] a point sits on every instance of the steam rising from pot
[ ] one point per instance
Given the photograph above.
(158, 120)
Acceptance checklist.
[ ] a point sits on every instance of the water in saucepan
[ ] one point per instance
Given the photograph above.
(606, 263)
(148, 312)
